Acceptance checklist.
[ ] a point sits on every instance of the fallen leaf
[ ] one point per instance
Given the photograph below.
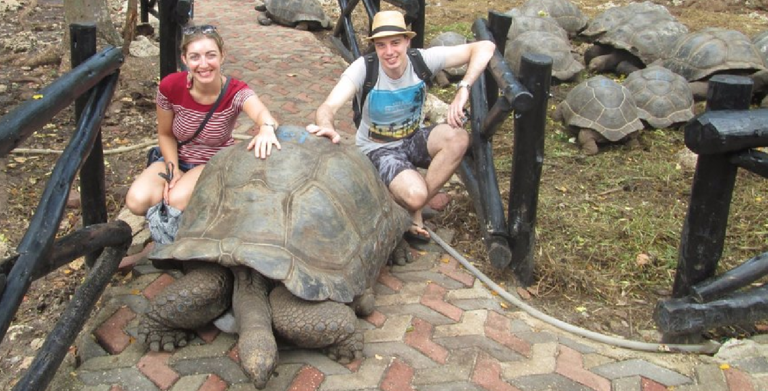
(19, 159)
(37, 96)
(725, 366)
(642, 259)
(504, 305)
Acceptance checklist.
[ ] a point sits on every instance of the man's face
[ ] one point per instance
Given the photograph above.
(392, 51)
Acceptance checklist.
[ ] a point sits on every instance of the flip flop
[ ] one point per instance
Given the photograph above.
(416, 236)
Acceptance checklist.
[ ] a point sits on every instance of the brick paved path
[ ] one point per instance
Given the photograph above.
(435, 328)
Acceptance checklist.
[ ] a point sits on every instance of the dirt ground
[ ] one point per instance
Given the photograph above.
(608, 226)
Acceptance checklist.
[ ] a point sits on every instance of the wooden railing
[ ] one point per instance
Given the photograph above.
(90, 85)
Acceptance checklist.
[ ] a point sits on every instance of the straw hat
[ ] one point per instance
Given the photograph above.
(387, 24)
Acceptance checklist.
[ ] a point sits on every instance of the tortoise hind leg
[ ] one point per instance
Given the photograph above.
(317, 324)
(256, 342)
(190, 302)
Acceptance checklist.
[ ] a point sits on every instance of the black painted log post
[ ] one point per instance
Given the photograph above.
(681, 317)
(493, 226)
(527, 163)
(713, 182)
(738, 277)
(93, 198)
(701, 244)
(56, 345)
(144, 11)
(343, 36)
(498, 26)
(418, 25)
(38, 240)
(168, 42)
(514, 95)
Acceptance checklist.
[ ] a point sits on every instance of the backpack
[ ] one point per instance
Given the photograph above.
(372, 76)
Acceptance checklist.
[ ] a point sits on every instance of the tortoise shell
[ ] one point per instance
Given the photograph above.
(567, 14)
(603, 105)
(564, 65)
(646, 30)
(314, 216)
(523, 23)
(663, 97)
(292, 12)
(700, 54)
(450, 38)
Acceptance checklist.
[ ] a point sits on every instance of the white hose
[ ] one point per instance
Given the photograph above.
(710, 347)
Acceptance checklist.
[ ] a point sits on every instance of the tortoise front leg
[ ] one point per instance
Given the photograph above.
(256, 342)
(190, 302)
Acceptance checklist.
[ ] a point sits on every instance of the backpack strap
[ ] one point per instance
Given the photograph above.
(372, 76)
(420, 67)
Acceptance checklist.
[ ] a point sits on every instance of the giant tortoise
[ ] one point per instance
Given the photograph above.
(698, 55)
(663, 97)
(599, 110)
(566, 13)
(305, 234)
(630, 37)
(301, 14)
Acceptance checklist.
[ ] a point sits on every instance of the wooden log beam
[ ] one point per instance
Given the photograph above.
(723, 131)
(738, 277)
(684, 317)
(75, 245)
(752, 160)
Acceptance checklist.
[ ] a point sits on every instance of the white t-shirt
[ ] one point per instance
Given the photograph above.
(393, 109)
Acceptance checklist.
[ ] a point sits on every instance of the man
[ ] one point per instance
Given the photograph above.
(390, 132)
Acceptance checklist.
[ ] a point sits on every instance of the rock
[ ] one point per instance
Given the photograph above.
(435, 110)
(143, 47)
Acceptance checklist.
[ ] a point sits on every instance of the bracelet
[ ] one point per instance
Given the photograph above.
(270, 124)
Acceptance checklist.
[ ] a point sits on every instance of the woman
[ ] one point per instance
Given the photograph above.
(183, 101)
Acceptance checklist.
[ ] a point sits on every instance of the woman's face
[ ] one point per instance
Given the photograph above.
(203, 58)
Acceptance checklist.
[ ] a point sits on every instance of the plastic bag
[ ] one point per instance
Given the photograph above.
(163, 222)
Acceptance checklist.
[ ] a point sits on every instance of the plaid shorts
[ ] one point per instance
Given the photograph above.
(411, 153)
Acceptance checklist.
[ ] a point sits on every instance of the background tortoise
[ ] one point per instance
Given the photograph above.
(449, 38)
(698, 55)
(600, 110)
(630, 37)
(313, 220)
(566, 13)
(523, 23)
(564, 65)
(301, 14)
(663, 97)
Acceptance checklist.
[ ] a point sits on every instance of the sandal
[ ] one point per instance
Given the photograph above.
(417, 233)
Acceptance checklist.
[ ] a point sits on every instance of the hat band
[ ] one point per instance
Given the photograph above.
(388, 28)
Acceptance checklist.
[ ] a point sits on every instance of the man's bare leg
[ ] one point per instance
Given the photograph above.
(446, 146)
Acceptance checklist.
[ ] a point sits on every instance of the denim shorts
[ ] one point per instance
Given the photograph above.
(408, 155)
(154, 155)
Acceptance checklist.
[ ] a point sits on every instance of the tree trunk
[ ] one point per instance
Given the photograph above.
(89, 11)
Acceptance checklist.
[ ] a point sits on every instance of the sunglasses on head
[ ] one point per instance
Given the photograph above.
(203, 29)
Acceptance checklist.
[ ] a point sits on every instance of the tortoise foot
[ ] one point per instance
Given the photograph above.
(401, 256)
(588, 142)
(160, 337)
(347, 350)
(264, 20)
(190, 302)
